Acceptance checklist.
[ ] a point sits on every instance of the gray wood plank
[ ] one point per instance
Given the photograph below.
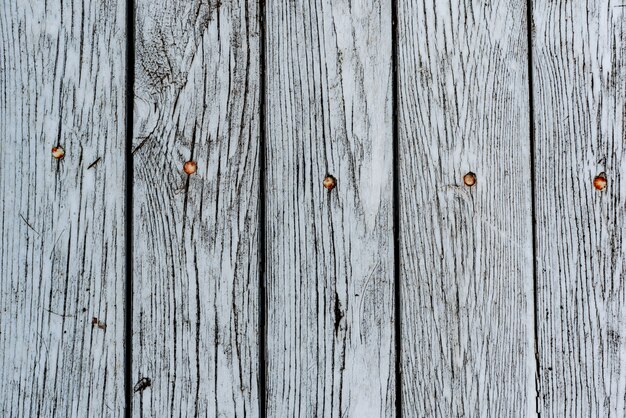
(330, 333)
(62, 253)
(195, 316)
(579, 73)
(466, 273)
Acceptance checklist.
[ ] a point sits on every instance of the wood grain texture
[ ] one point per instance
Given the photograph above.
(330, 339)
(62, 246)
(466, 267)
(579, 73)
(195, 237)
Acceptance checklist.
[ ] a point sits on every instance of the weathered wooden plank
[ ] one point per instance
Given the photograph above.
(330, 339)
(62, 248)
(579, 86)
(195, 315)
(467, 343)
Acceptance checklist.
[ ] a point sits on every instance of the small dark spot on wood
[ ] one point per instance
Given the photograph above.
(92, 165)
(614, 339)
(142, 384)
(84, 309)
(96, 322)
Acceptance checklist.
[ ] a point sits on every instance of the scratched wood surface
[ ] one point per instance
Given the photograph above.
(195, 316)
(62, 247)
(330, 340)
(579, 68)
(466, 275)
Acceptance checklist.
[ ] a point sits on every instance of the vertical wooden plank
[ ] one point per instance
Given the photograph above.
(466, 252)
(195, 237)
(579, 73)
(62, 83)
(330, 340)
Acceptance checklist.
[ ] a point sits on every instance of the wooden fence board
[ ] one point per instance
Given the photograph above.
(195, 315)
(579, 72)
(62, 254)
(330, 335)
(466, 275)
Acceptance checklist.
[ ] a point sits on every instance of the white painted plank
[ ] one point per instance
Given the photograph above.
(579, 73)
(466, 267)
(330, 333)
(195, 315)
(62, 82)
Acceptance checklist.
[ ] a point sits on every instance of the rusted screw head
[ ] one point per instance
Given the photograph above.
(599, 182)
(329, 182)
(58, 152)
(469, 179)
(190, 167)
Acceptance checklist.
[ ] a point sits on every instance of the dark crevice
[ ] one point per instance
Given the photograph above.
(262, 250)
(128, 157)
(92, 165)
(529, 46)
(396, 206)
(338, 315)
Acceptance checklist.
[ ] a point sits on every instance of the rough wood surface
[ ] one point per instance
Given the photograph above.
(466, 267)
(330, 343)
(467, 344)
(579, 73)
(195, 316)
(62, 246)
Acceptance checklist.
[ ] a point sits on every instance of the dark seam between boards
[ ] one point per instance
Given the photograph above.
(396, 208)
(128, 158)
(531, 105)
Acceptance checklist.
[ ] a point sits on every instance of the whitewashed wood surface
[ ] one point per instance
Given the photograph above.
(257, 292)
(579, 68)
(195, 242)
(62, 83)
(330, 334)
(466, 267)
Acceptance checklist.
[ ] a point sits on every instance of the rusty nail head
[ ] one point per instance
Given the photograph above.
(599, 182)
(58, 152)
(329, 182)
(190, 167)
(469, 179)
